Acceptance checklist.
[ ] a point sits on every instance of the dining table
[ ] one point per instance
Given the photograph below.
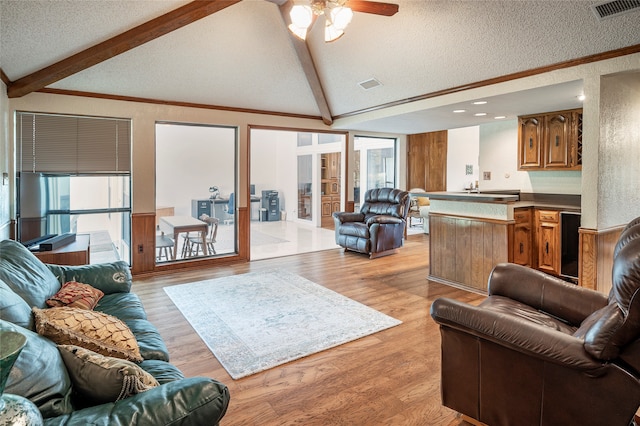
(175, 225)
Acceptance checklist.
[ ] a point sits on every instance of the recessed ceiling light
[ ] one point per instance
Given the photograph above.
(480, 102)
(480, 114)
(581, 97)
(459, 110)
(500, 117)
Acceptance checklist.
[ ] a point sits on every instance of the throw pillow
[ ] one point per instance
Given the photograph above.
(92, 330)
(76, 295)
(101, 379)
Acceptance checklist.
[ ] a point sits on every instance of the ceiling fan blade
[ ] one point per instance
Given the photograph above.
(376, 8)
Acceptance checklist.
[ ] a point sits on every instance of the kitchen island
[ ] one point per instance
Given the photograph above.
(470, 232)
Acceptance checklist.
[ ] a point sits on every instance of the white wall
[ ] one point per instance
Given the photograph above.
(463, 148)
(274, 165)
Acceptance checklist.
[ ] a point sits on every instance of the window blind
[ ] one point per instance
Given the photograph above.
(69, 144)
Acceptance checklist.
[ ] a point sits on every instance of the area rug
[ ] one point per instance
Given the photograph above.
(256, 321)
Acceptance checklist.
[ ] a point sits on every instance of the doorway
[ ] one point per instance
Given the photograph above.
(375, 165)
(304, 169)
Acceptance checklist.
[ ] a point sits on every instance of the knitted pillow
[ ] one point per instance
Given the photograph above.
(76, 295)
(92, 330)
(100, 379)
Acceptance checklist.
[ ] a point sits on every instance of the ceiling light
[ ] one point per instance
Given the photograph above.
(480, 102)
(301, 19)
(298, 31)
(341, 17)
(337, 17)
(500, 117)
(480, 114)
(581, 98)
(459, 110)
(331, 32)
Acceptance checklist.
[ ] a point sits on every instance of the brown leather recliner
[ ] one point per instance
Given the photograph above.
(378, 229)
(540, 351)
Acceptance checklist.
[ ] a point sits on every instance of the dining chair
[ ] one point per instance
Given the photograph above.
(193, 243)
(164, 245)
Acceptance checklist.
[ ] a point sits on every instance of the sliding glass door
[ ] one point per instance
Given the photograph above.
(375, 165)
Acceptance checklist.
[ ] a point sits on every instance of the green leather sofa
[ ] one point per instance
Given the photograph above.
(40, 374)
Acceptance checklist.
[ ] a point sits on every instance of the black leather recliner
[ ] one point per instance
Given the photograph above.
(540, 351)
(378, 229)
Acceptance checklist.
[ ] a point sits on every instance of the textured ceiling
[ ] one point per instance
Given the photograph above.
(242, 56)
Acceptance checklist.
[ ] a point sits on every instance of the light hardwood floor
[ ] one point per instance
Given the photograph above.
(389, 378)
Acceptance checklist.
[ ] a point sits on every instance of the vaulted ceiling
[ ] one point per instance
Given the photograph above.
(240, 55)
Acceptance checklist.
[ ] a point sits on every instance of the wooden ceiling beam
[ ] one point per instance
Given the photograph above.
(128, 40)
(384, 9)
(308, 66)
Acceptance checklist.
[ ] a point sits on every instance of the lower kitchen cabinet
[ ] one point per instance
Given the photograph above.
(548, 241)
(522, 237)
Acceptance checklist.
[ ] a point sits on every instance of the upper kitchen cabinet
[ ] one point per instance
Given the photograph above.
(550, 141)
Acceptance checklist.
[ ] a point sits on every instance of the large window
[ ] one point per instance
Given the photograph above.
(74, 177)
(196, 183)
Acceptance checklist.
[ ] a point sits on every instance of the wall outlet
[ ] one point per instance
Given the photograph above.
(140, 248)
(486, 175)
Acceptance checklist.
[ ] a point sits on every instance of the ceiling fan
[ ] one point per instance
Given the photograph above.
(337, 14)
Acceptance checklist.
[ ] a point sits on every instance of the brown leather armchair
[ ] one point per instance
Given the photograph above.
(378, 229)
(540, 351)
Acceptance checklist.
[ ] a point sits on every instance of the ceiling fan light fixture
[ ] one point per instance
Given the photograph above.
(341, 17)
(301, 16)
(331, 33)
(299, 32)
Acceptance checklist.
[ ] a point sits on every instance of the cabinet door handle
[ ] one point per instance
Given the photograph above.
(521, 248)
(557, 140)
(547, 247)
(530, 143)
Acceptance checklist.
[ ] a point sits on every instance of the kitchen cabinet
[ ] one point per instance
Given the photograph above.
(522, 236)
(530, 137)
(550, 141)
(547, 224)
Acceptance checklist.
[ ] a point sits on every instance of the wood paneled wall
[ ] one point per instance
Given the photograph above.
(427, 161)
(595, 260)
(464, 251)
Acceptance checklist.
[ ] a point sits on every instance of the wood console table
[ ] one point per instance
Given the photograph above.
(75, 253)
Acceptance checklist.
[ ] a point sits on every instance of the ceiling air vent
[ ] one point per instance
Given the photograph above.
(614, 8)
(371, 83)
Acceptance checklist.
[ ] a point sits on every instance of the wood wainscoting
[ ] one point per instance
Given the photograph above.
(595, 258)
(465, 250)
